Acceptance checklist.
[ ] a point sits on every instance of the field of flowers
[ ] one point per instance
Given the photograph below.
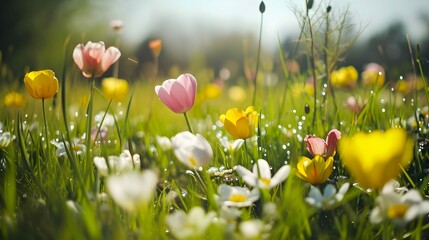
(326, 153)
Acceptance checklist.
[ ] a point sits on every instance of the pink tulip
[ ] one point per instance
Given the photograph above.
(178, 94)
(93, 58)
(318, 146)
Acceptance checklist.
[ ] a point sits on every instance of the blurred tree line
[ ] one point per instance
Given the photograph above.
(33, 35)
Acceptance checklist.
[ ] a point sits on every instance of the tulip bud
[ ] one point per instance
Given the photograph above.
(262, 7)
(309, 4)
(307, 109)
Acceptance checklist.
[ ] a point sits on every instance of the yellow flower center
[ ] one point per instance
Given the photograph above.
(397, 211)
(237, 198)
(192, 161)
(266, 181)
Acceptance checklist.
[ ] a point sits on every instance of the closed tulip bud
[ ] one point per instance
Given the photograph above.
(41, 84)
(155, 46)
(262, 7)
(178, 94)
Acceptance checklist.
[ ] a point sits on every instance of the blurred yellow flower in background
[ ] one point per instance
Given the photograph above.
(373, 75)
(237, 94)
(240, 124)
(403, 87)
(316, 170)
(375, 158)
(212, 91)
(14, 99)
(41, 84)
(115, 88)
(344, 77)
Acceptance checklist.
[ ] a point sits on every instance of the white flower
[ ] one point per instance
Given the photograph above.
(77, 147)
(251, 229)
(108, 121)
(192, 150)
(191, 225)
(236, 196)
(5, 139)
(261, 176)
(397, 206)
(117, 164)
(231, 146)
(163, 142)
(329, 199)
(132, 190)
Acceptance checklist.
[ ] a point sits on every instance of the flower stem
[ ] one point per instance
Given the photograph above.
(187, 123)
(89, 124)
(45, 123)
(257, 61)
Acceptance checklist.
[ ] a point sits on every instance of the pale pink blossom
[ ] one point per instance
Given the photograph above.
(94, 59)
(318, 146)
(178, 94)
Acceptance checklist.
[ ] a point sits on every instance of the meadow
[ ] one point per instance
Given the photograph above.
(325, 152)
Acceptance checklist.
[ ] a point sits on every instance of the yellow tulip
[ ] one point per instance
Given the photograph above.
(375, 158)
(344, 77)
(41, 84)
(14, 99)
(240, 124)
(115, 88)
(316, 170)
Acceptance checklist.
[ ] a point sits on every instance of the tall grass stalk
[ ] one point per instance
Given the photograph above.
(255, 77)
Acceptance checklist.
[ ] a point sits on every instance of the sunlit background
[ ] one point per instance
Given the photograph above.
(33, 33)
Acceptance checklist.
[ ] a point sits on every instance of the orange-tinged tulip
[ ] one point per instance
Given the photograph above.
(14, 99)
(41, 84)
(316, 170)
(155, 46)
(240, 124)
(375, 158)
(115, 88)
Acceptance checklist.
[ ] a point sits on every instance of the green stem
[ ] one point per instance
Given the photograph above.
(187, 123)
(45, 123)
(88, 126)
(257, 61)
(313, 70)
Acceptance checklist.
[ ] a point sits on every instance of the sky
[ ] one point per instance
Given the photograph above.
(185, 21)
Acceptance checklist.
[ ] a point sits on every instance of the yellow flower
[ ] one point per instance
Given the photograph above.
(373, 75)
(375, 158)
(403, 87)
(344, 77)
(41, 84)
(240, 124)
(212, 91)
(115, 88)
(237, 94)
(14, 99)
(316, 170)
